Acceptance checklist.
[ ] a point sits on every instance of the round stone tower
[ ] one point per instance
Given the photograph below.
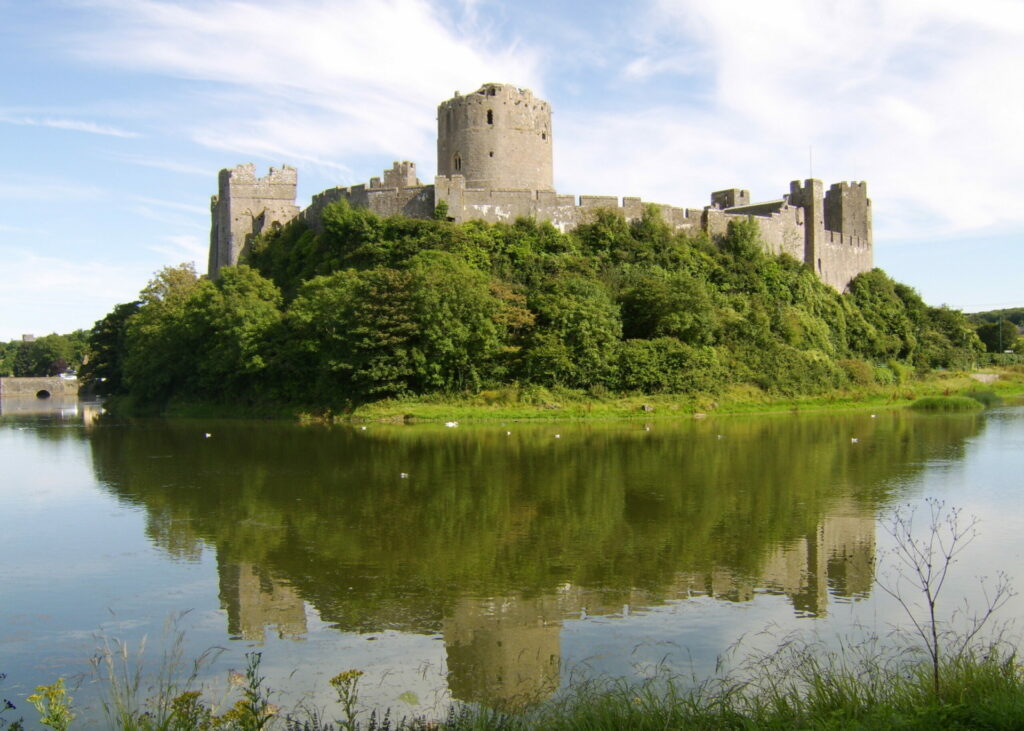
(498, 138)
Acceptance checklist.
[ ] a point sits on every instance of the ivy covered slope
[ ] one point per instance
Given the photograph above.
(360, 307)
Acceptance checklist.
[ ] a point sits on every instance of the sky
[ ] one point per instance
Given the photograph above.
(116, 115)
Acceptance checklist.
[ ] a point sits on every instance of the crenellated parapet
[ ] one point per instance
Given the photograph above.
(244, 206)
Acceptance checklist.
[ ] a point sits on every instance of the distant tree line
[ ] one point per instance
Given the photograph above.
(999, 330)
(49, 355)
(362, 307)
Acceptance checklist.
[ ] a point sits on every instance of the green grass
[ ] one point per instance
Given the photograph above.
(947, 403)
(534, 403)
(557, 405)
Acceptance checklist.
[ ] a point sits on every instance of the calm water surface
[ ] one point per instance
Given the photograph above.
(480, 563)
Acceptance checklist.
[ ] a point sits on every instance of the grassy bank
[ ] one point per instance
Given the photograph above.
(543, 404)
(515, 403)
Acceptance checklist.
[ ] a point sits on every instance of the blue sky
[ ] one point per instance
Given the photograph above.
(115, 116)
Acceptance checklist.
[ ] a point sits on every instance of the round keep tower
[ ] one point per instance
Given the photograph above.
(498, 137)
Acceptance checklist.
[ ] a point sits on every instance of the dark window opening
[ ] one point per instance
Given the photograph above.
(458, 163)
(43, 394)
(492, 91)
(819, 266)
(543, 135)
(491, 153)
(490, 117)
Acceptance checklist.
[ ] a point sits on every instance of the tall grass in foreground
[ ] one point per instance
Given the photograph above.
(803, 683)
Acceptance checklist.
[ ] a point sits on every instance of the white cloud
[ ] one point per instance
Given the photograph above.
(160, 163)
(44, 294)
(184, 247)
(922, 99)
(32, 187)
(76, 125)
(307, 79)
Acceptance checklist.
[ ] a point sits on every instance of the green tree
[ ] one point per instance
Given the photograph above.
(437, 325)
(159, 347)
(998, 336)
(657, 303)
(48, 355)
(575, 340)
(104, 369)
(230, 320)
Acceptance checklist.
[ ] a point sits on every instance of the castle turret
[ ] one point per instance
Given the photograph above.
(848, 210)
(497, 138)
(809, 196)
(244, 206)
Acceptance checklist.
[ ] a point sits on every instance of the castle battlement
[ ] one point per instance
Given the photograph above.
(494, 163)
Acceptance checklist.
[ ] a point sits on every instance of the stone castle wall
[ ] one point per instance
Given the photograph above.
(565, 212)
(400, 193)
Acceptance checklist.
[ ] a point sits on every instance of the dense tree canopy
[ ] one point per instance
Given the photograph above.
(48, 355)
(356, 307)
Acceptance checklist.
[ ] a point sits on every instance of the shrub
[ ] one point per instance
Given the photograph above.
(985, 398)
(667, 365)
(884, 376)
(859, 372)
(946, 403)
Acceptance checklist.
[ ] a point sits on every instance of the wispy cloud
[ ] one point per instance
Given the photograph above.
(75, 125)
(916, 97)
(304, 79)
(184, 247)
(32, 187)
(173, 205)
(44, 294)
(174, 166)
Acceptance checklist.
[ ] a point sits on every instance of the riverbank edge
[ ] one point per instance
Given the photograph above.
(513, 403)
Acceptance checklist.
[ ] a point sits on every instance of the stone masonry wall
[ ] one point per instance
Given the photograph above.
(30, 387)
(399, 194)
(498, 137)
(782, 231)
(565, 212)
(244, 205)
(842, 257)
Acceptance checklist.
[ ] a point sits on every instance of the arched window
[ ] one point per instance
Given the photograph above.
(458, 163)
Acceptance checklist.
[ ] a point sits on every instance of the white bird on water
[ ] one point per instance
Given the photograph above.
(451, 423)
(403, 475)
(854, 440)
(207, 435)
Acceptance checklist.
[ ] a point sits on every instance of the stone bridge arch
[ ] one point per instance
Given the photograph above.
(40, 388)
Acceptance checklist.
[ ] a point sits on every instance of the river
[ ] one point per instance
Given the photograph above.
(488, 564)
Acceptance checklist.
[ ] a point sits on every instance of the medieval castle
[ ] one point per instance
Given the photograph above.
(494, 163)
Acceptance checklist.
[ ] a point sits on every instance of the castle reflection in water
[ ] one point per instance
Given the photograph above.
(504, 649)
